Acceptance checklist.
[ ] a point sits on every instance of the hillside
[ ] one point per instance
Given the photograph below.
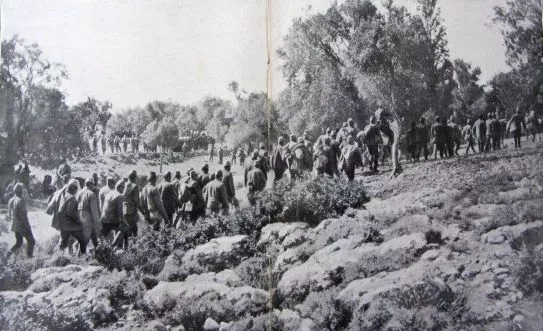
(449, 244)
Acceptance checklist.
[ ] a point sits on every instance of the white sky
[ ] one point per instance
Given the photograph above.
(131, 52)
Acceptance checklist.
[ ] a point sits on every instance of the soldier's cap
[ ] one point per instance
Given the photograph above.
(437, 119)
(350, 120)
(168, 175)
(227, 164)
(218, 174)
(120, 183)
(73, 183)
(262, 145)
(300, 140)
(89, 180)
(281, 140)
(178, 174)
(293, 137)
(152, 176)
(132, 175)
(110, 179)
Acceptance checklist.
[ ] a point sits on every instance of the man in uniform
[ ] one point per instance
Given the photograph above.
(18, 215)
(468, 136)
(151, 202)
(168, 196)
(131, 205)
(479, 132)
(278, 164)
(351, 158)
(192, 197)
(256, 181)
(112, 215)
(89, 212)
(69, 223)
(411, 139)
(439, 134)
(204, 177)
(423, 139)
(228, 181)
(516, 125)
(372, 138)
(110, 181)
(215, 194)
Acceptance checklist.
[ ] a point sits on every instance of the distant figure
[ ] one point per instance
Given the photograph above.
(221, 154)
(515, 126)
(233, 157)
(372, 138)
(449, 142)
(124, 142)
(215, 194)
(479, 132)
(411, 139)
(103, 143)
(467, 133)
(211, 153)
(438, 132)
(423, 139)
(300, 159)
(18, 216)
(25, 178)
(241, 156)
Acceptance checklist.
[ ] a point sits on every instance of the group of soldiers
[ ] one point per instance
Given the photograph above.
(111, 213)
(93, 214)
(486, 133)
(115, 143)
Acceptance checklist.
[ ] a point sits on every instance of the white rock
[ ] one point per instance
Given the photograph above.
(211, 325)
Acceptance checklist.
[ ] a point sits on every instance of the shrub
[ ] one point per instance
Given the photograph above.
(312, 200)
(325, 310)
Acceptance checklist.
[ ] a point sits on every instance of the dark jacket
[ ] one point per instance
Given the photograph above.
(151, 202)
(215, 196)
(17, 213)
(88, 208)
(68, 214)
(228, 181)
(439, 133)
(112, 213)
(168, 195)
(256, 180)
(277, 161)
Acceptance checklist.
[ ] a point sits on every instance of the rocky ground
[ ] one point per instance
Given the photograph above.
(453, 244)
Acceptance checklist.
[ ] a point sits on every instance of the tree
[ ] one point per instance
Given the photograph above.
(522, 30)
(253, 115)
(94, 114)
(467, 91)
(216, 114)
(24, 71)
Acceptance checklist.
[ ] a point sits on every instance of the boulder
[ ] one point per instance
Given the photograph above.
(220, 293)
(211, 325)
(409, 287)
(215, 255)
(282, 235)
(329, 266)
(520, 235)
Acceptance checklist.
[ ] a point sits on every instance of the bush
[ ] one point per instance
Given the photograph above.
(312, 200)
